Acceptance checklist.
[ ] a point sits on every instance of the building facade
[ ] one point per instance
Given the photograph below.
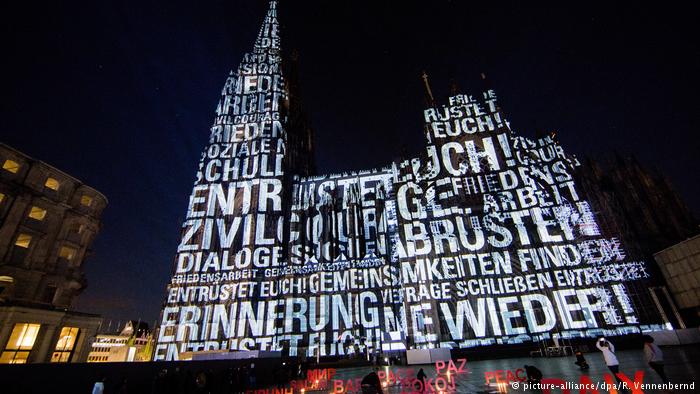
(482, 240)
(134, 343)
(48, 221)
(680, 265)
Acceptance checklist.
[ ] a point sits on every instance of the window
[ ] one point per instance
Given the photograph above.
(11, 166)
(5, 282)
(65, 345)
(23, 240)
(86, 200)
(49, 294)
(37, 213)
(20, 344)
(77, 228)
(2, 197)
(52, 183)
(67, 252)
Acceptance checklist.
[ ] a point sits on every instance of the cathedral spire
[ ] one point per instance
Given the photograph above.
(428, 91)
(268, 37)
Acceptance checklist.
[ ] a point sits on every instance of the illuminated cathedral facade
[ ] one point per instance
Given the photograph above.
(484, 239)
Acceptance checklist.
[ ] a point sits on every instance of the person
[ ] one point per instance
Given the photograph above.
(421, 376)
(180, 381)
(244, 379)
(160, 383)
(581, 361)
(252, 376)
(201, 382)
(608, 350)
(534, 375)
(654, 357)
(348, 346)
(99, 386)
(370, 384)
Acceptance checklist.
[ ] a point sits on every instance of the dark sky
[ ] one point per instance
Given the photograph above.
(121, 95)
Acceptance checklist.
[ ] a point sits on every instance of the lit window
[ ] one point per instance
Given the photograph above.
(67, 252)
(23, 240)
(65, 345)
(52, 183)
(20, 344)
(86, 200)
(11, 166)
(2, 197)
(37, 213)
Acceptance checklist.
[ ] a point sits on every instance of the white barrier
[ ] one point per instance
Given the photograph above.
(418, 356)
(237, 355)
(427, 356)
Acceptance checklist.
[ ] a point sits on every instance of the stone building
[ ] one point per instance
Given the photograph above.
(482, 240)
(133, 343)
(680, 265)
(641, 207)
(48, 221)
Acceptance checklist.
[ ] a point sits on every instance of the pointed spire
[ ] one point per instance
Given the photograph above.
(485, 83)
(428, 92)
(268, 38)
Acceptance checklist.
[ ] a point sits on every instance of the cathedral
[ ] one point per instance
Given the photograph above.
(482, 240)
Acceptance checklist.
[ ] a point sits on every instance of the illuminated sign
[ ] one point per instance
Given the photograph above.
(483, 240)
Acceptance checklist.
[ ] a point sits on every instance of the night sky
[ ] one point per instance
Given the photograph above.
(122, 96)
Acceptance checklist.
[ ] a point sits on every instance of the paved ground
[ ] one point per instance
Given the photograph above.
(682, 366)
